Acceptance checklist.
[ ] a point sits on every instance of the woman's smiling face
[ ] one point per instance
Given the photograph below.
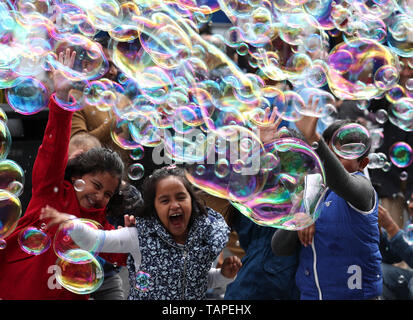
(173, 205)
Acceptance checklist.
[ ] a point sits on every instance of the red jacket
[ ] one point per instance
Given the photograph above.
(24, 276)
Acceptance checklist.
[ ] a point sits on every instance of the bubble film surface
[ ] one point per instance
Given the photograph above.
(80, 273)
(185, 95)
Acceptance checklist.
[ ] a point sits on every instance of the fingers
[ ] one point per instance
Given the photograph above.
(266, 113)
(230, 266)
(67, 57)
(130, 221)
(306, 235)
(53, 216)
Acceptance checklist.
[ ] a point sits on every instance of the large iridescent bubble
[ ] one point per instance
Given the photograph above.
(63, 244)
(10, 212)
(293, 192)
(352, 66)
(12, 177)
(5, 140)
(351, 141)
(80, 273)
(30, 96)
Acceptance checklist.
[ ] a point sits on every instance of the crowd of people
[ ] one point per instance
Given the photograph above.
(192, 244)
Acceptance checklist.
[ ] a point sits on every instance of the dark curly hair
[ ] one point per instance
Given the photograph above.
(149, 191)
(97, 160)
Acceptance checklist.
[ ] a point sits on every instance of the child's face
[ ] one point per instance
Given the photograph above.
(97, 190)
(174, 207)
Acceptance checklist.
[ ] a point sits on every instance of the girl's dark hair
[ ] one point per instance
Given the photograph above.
(149, 192)
(97, 160)
(328, 134)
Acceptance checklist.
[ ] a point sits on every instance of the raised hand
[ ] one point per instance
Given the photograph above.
(308, 125)
(62, 85)
(268, 126)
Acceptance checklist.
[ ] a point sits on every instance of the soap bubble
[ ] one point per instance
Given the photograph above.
(294, 188)
(33, 240)
(79, 185)
(63, 242)
(10, 212)
(350, 61)
(137, 154)
(143, 281)
(5, 140)
(80, 272)
(136, 171)
(351, 141)
(232, 167)
(403, 176)
(381, 116)
(11, 177)
(377, 138)
(386, 77)
(401, 154)
(28, 97)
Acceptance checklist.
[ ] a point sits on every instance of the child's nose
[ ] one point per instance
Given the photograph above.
(99, 199)
(174, 205)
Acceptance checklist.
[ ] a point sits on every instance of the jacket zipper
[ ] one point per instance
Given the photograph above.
(184, 276)
(185, 263)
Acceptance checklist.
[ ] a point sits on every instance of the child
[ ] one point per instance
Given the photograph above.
(173, 245)
(339, 256)
(26, 276)
(111, 288)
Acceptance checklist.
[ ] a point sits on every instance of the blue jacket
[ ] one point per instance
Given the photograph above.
(177, 272)
(396, 249)
(263, 276)
(344, 260)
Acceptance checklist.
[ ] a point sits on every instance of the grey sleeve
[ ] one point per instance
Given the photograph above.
(355, 189)
(284, 242)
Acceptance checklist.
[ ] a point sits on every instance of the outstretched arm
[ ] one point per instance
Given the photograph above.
(51, 159)
(355, 189)
(124, 240)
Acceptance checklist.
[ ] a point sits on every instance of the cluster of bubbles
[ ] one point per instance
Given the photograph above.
(11, 184)
(182, 91)
(74, 261)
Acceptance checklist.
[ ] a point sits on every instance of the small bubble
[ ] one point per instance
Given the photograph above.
(79, 185)
(403, 176)
(3, 244)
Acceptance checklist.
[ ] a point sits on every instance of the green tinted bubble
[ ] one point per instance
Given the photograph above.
(401, 154)
(10, 212)
(11, 177)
